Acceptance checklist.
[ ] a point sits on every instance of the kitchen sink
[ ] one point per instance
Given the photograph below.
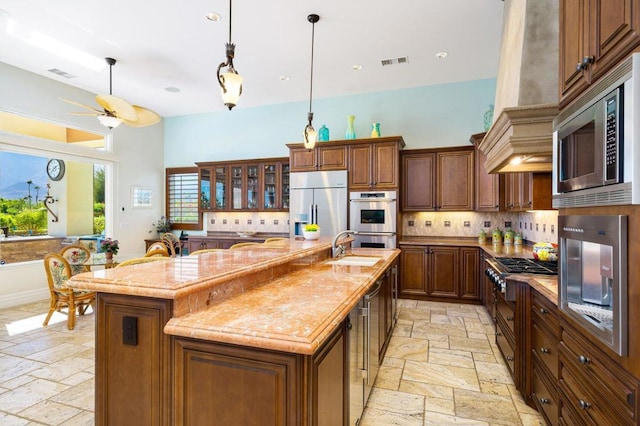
(355, 261)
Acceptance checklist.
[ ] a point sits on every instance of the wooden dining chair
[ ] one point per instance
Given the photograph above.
(158, 247)
(58, 273)
(274, 239)
(138, 260)
(238, 245)
(159, 252)
(197, 252)
(172, 242)
(77, 255)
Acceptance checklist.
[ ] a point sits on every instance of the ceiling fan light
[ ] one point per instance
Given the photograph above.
(109, 121)
(231, 88)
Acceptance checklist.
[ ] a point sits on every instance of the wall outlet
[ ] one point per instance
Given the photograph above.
(487, 224)
(507, 224)
(447, 223)
(410, 223)
(427, 223)
(467, 223)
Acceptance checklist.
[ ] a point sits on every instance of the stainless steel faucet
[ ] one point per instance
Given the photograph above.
(340, 250)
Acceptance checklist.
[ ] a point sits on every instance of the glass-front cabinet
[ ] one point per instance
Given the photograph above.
(245, 185)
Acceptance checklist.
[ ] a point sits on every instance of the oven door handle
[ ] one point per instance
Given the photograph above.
(372, 200)
(377, 234)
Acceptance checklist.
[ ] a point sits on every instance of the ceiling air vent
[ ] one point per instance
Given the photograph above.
(395, 61)
(61, 73)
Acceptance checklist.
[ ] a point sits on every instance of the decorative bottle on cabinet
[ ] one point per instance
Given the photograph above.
(351, 132)
(375, 130)
(323, 134)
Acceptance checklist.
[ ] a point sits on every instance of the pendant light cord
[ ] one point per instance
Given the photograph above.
(110, 79)
(229, 21)
(313, 32)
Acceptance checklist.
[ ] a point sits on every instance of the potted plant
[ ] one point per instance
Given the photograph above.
(311, 231)
(110, 247)
(162, 225)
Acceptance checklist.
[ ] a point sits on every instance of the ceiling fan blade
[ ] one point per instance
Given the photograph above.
(146, 117)
(82, 105)
(118, 107)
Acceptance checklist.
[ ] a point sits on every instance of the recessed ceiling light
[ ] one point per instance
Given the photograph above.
(356, 67)
(442, 55)
(213, 16)
(285, 78)
(172, 89)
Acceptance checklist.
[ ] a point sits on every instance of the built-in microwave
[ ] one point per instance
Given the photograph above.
(596, 142)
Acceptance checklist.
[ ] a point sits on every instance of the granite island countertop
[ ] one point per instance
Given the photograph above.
(294, 309)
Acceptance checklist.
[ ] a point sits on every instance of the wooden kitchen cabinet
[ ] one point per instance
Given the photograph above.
(528, 191)
(446, 273)
(201, 243)
(490, 188)
(440, 180)
(374, 165)
(325, 156)
(218, 381)
(594, 35)
(244, 185)
(141, 365)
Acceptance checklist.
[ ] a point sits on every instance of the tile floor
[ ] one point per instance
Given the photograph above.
(441, 368)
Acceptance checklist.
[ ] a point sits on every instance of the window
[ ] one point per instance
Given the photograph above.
(182, 198)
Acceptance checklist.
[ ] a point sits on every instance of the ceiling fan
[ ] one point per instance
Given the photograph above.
(117, 110)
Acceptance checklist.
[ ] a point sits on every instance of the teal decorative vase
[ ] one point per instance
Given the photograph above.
(351, 132)
(323, 134)
(375, 130)
(488, 118)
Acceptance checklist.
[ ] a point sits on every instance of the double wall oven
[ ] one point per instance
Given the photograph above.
(373, 216)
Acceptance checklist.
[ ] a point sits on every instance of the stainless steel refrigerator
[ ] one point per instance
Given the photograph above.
(321, 198)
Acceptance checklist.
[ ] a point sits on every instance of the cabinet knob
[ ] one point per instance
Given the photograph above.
(509, 358)
(580, 67)
(543, 311)
(587, 60)
(498, 333)
(583, 360)
(543, 401)
(584, 404)
(509, 318)
(544, 350)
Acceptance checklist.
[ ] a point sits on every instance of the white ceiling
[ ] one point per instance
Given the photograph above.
(170, 43)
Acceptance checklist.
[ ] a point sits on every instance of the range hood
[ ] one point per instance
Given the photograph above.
(520, 138)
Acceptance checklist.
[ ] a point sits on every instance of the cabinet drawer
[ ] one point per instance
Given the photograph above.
(602, 376)
(544, 313)
(545, 349)
(582, 402)
(506, 344)
(506, 312)
(545, 395)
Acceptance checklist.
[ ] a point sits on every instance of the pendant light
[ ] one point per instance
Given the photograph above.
(230, 81)
(310, 135)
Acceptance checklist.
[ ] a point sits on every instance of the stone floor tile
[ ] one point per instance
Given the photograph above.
(49, 412)
(451, 357)
(408, 348)
(494, 409)
(438, 419)
(29, 394)
(396, 402)
(388, 378)
(493, 372)
(7, 419)
(445, 375)
(375, 417)
(471, 345)
(85, 418)
(80, 396)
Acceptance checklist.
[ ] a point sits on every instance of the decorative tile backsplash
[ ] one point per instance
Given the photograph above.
(535, 226)
(247, 221)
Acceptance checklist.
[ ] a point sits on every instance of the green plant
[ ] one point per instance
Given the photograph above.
(162, 225)
(311, 227)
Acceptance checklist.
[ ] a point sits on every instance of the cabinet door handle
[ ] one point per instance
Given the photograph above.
(543, 401)
(583, 360)
(580, 67)
(544, 350)
(584, 404)
(586, 61)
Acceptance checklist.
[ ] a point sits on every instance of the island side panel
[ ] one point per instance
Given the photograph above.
(132, 361)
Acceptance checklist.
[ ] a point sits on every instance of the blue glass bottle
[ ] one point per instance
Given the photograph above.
(323, 134)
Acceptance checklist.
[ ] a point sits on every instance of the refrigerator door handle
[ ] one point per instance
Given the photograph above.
(311, 216)
(315, 213)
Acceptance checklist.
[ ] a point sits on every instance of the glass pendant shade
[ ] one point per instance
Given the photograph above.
(310, 137)
(233, 85)
(109, 121)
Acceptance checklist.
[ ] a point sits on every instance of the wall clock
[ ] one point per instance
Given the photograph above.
(55, 169)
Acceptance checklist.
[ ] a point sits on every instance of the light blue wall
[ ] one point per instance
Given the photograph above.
(427, 117)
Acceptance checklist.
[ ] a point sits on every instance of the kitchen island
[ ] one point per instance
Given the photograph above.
(248, 336)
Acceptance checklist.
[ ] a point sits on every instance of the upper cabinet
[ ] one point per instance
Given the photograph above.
(489, 187)
(438, 179)
(528, 191)
(324, 156)
(374, 165)
(594, 36)
(245, 185)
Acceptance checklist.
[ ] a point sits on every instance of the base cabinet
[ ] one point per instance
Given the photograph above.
(232, 385)
(447, 273)
(132, 373)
